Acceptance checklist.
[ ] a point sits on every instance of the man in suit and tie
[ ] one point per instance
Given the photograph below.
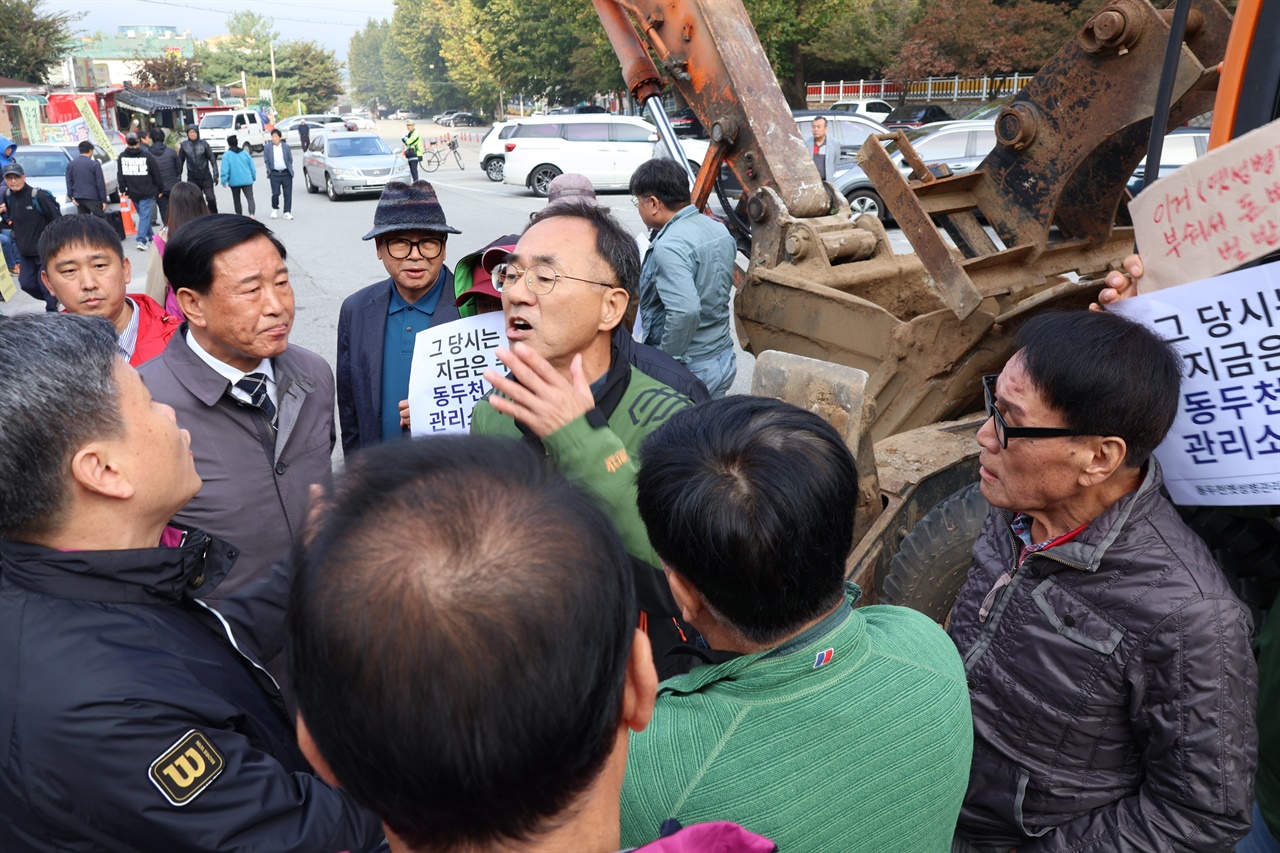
(377, 325)
(259, 410)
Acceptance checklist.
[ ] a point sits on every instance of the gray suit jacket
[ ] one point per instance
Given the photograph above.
(255, 492)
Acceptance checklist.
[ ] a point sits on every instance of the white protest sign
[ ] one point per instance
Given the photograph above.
(1212, 215)
(447, 374)
(1224, 447)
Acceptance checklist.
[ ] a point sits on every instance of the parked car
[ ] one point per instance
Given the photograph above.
(961, 145)
(873, 108)
(988, 110)
(492, 152)
(404, 115)
(1182, 145)
(319, 123)
(244, 124)
(46, 168)
(465, 120)
(604, 148)
(581, 109)
(441, 118)
(685, 123)
(359, 122)
(350, 164)
(914, 116)
(848, 130)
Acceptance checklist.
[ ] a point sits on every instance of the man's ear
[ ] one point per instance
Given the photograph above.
(688, 599)
(613, 307)
(1107, 455)
(128, 271)
(190, 303)
(641, 687)
(94, 471)
(312, 753)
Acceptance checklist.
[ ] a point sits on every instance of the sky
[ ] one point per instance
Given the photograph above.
(329, 22)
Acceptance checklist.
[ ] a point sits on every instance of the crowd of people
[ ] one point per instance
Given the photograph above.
(616, 615)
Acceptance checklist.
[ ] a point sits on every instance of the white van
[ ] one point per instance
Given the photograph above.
(245, 124)
(605, 148)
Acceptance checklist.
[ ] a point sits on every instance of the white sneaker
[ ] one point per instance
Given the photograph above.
(288, 216)
(275, 214)
(142, 247)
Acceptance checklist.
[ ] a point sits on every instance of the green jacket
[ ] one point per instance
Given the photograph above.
(865, 750)
(600, 456)
(412, 144)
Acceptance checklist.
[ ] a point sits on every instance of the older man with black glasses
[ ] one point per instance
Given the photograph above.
(1107, 658)
(378, 324)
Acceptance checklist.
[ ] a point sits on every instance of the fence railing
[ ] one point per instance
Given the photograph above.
(929, 89)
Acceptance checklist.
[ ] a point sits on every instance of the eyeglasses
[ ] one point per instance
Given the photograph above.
(401, 247)
(539, 278)
(1004, 432)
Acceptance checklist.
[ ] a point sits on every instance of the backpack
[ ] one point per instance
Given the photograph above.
(50, 209)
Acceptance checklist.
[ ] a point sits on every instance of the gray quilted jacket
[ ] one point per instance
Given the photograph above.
(1113, 689)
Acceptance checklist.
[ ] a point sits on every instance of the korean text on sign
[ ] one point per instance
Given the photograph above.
(1224, 447)
(447, 376)
(1212, 215)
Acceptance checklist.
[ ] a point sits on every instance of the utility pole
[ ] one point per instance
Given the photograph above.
(273, 68)
(244, 87)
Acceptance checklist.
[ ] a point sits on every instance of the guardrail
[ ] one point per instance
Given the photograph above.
(929, 89)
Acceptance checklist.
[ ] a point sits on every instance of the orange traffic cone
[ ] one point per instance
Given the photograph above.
(126, 216)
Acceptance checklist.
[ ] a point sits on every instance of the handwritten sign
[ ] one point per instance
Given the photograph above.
(1224, 447)
(96, 132)
(447, 374)
(8, 289)
(1212, 215)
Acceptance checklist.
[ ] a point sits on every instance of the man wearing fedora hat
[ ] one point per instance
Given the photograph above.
(378, 324)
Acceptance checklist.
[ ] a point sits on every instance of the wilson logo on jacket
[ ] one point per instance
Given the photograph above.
(186, 768)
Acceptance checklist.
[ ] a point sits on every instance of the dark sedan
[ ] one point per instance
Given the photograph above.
(465, 120)
(914, 116)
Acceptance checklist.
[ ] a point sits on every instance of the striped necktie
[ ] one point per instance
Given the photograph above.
(255, 385)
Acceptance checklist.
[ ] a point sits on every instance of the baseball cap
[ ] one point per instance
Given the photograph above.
(570, 185)
(14, 169)
(482, 277)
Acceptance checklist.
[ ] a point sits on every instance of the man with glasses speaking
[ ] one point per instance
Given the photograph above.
(378, 324)
(1107, 659)
(582, 389)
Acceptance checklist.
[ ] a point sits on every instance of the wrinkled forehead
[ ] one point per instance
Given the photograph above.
(567, 243)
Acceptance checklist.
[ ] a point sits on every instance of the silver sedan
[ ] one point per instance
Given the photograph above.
(351, 164)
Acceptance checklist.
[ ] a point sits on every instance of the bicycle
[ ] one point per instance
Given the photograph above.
(434, 157)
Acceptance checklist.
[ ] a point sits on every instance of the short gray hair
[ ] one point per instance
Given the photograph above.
(58, 392)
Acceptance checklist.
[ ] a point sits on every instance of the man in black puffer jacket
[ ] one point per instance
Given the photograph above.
(133, 716)
(196, 157)
(1108, 661)
(167, 164)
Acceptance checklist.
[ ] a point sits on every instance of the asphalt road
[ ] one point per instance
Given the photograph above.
(328, 260)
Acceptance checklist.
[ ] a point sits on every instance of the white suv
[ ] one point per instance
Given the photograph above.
(873, 108)
(492, 153)
(605, 148)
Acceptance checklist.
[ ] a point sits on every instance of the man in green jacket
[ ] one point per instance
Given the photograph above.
(564, 290)
(827, 728)
(413, 149)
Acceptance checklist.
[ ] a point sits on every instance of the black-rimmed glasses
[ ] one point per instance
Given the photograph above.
(1004, 432)
(401, 247)
(539, 278)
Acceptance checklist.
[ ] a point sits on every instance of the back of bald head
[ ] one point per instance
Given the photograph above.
(459, 632)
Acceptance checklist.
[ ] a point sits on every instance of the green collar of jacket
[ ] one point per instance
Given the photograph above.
(843, 631)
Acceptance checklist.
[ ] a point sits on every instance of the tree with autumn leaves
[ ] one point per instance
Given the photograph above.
(449, 53)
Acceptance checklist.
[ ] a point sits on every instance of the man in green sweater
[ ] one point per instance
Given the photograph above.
(579, 388)
(820, 725)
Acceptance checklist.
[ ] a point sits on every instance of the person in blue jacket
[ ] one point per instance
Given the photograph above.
(7, 147)
(239, 172)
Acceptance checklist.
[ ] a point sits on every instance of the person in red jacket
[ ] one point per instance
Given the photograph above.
(86, 270)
